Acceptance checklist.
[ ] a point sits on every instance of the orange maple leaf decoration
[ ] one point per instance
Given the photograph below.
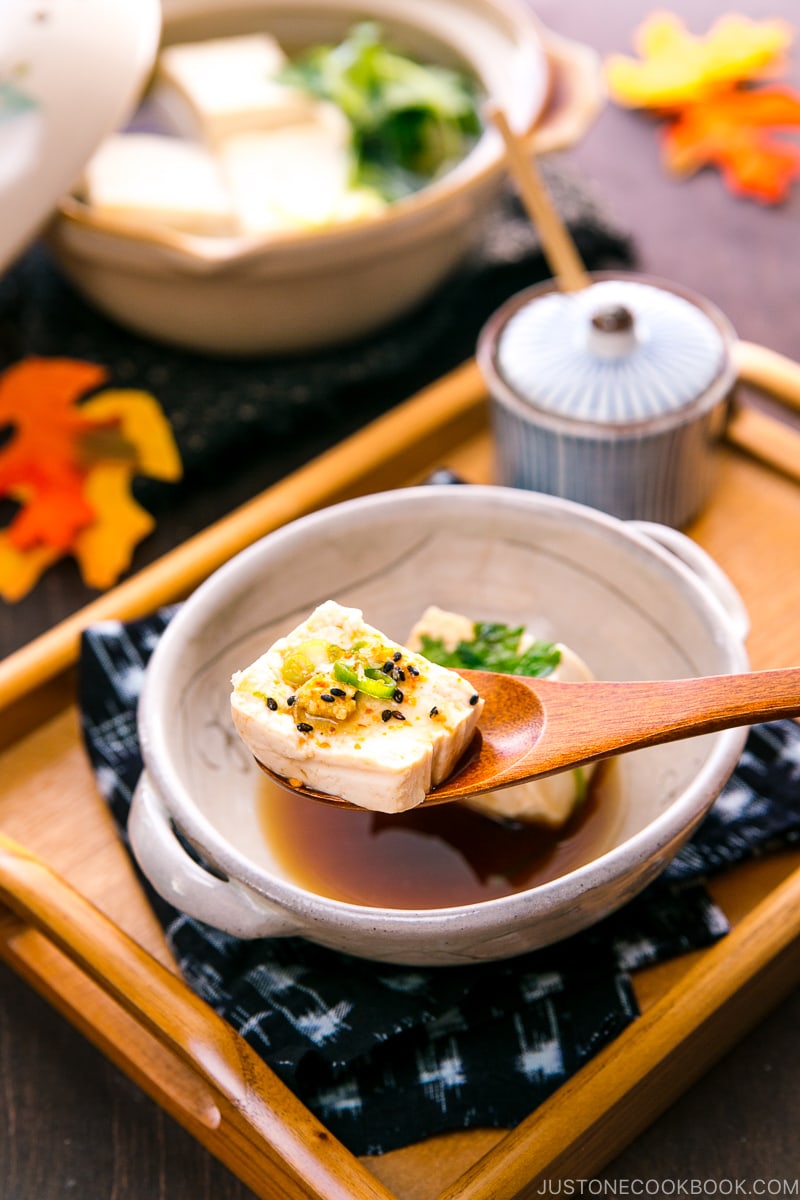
(730, 132)
(39, 466)
(69, 467)
(696, 83)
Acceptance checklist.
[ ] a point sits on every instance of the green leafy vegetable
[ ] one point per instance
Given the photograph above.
(494, 647)
(411, 121)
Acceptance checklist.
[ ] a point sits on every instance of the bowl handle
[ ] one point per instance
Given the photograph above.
(222, 903)
(704, 566)
(577, 94)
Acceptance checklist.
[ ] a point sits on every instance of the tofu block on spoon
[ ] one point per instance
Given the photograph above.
(340, 707)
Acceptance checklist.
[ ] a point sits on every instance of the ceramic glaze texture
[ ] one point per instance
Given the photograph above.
(614, 396)
(565, 572)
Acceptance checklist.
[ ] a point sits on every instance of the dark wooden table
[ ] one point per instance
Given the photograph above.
(72, 1125)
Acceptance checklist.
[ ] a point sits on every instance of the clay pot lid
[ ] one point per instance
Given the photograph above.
(618, 352)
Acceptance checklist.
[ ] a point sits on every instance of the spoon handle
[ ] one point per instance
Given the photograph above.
(585, 721)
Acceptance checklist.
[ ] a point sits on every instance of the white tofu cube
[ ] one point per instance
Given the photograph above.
(382, 752)
(146, 179)
(227, 85)
(295, 177)
(550, 801)
(440, 624)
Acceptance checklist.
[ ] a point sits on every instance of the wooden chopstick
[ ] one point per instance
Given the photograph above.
(559, 248)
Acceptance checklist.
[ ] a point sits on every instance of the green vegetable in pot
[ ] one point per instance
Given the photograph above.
(494, 647)
(411, 121)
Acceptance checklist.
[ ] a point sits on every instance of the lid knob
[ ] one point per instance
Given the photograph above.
(612, 332)
(614, 318)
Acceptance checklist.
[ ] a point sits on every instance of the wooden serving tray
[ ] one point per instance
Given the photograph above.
(81, 932)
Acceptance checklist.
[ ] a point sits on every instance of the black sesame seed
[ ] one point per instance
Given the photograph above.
(398, 716)
(386, 715)
(474, 698)
(398, 696)
(398, 654)
(304, 727)
(272, 704)
(412, 670)
(290, 701)
(338, 692)
(434, 712)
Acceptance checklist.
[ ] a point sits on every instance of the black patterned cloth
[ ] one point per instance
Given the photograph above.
(387, 1055)
(277, 412)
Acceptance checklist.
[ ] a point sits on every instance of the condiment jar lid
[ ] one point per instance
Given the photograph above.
(618, 352)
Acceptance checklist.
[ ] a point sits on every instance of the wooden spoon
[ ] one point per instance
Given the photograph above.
(535, 727)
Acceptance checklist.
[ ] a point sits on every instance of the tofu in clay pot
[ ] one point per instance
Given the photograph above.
(551, 801)
(147, 180)
(223, 86)
(296, 176)
(338, 706)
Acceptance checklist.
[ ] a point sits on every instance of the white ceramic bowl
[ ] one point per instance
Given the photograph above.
(303, 290)
(634, 601)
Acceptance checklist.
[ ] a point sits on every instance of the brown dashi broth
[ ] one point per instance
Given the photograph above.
(433, 857)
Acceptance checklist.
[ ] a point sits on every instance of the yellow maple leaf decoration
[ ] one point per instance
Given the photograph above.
(704, 89)
(104, 548)
(20, 570)
(70, 466)
(676, 68)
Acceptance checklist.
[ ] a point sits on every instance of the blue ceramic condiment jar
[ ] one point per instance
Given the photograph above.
(615, 395)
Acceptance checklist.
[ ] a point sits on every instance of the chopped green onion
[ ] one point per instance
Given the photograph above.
(308, 659)
(378, 673)
(372, 682)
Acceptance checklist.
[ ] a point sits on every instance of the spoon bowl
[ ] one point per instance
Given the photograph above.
(530, 728)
